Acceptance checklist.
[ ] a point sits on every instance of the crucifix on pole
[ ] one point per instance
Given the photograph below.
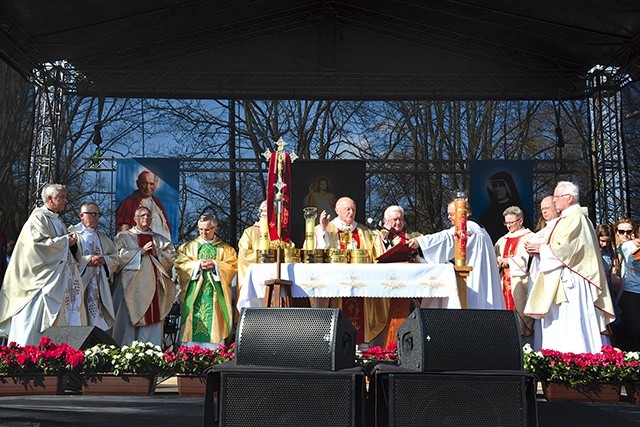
(278, 215)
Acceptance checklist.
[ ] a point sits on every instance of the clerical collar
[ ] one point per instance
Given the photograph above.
(340, 225)
(136, 230)
(82, 227)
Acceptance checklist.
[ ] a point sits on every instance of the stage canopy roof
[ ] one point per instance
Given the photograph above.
(327, 49)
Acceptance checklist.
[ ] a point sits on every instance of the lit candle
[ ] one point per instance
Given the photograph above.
(460, 222)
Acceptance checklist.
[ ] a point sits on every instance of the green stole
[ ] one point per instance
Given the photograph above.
(201, 306)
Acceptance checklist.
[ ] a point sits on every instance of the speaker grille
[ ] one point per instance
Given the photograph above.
(287, 399)
(295, 337)
(460, 400)
(457, 340)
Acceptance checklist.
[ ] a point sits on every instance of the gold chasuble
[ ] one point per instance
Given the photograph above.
(574, 243)
(368, 315)
(205, 295)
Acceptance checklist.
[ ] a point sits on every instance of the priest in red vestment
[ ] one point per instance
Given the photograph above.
(513, 261)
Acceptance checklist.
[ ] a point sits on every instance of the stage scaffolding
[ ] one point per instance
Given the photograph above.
(610, 183)
(51, 84)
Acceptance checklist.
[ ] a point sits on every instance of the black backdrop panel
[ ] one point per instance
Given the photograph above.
(318, 338)
(320, 183)
(457, 340)
(79, 337)
(463, 399)
(285, 399)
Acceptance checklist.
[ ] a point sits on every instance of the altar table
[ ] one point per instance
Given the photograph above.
(434, 283)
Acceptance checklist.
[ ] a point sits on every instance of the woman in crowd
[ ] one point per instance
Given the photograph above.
(612, 269)
(629, 302)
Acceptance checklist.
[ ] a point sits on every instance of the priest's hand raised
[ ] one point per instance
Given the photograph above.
(324, 220)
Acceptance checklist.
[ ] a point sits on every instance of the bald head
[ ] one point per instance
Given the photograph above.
(346, 210)
(548, 209)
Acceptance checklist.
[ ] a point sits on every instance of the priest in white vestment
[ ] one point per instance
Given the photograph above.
(570, 295)
(97, 261)
(484, 290)
(42, 286)
(550, 215)
(144, 292)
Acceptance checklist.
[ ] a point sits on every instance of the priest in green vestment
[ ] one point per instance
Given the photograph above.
(206, 268)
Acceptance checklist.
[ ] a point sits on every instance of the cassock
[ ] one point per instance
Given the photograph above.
(42, 286)
(97, 280)
(570, 294)
(368, 315)
(144, 292)
(205, 295)
(515, 277)
(159, 218)
(484, 290)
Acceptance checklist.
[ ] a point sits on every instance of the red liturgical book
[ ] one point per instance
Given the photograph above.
(399, 253)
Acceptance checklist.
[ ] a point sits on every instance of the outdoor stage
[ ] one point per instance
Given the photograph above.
(166, 408)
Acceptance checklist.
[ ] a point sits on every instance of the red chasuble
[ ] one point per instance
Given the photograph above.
(509, 251)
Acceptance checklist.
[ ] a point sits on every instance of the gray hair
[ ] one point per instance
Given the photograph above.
(52, 190)
(140, 209)
(89, 203)
(569, 188)
(393, 208)
(208, 217)
(513, 210)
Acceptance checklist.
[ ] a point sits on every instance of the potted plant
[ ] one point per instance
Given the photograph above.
(191, 363)
(40, 369)
(378, 354)
(130, 370)
(579, 376)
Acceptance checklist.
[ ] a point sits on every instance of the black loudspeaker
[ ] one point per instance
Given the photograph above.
(79, 337)
(285, 399)
(458, 340)
(496, 399)
(318, 338)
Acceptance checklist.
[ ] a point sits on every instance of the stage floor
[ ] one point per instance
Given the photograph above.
(166, 408)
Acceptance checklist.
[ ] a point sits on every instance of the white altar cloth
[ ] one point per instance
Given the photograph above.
(401, 280)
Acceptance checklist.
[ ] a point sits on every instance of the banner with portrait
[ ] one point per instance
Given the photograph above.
(497, 185)
(320, 183)
(167, 189)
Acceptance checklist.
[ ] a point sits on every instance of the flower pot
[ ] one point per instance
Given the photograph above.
(605, 392)
(118, 385)
(191, 385)
(31, 384)
(633, 392)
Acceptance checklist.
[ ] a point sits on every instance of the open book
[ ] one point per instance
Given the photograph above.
(399, 253)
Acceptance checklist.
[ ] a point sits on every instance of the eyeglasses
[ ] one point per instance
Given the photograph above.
(561, 195)
(508, 223)
(93, 214)
(628, 232)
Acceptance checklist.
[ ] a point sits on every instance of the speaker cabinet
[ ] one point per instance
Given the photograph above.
(463, 399)
(79, 337)
(318, 338)
(458, 340)
(285, 399)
